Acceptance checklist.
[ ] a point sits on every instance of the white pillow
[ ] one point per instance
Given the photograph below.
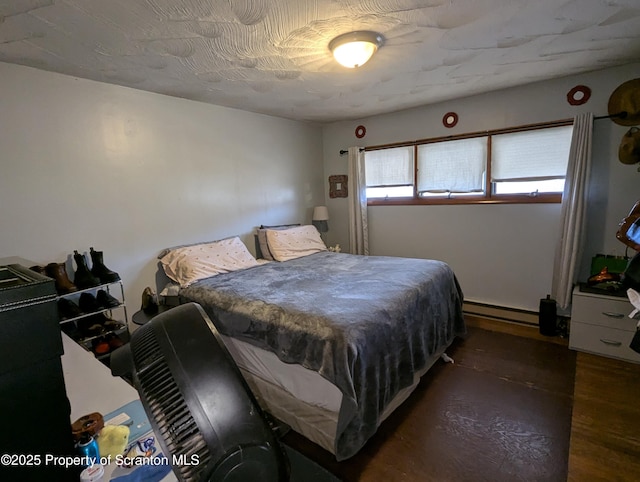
(262, 238)
(294, 242)
(192, 263)
(264, 246)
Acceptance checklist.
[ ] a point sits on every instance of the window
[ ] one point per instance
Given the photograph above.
(389, 172)
(516, 165)
(531, 161)
(452, 167)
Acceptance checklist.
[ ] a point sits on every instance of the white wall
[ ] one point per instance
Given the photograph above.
(502, 254)
(129, 172)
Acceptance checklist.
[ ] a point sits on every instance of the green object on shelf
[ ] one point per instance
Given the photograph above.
(615, 264)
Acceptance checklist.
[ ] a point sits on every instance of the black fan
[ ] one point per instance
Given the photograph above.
(197, 401)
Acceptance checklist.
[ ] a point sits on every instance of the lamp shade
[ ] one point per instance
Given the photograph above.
(354, 49)
(320, 213)
(320, 218)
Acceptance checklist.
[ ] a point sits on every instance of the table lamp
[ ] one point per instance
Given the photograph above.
(320, 219)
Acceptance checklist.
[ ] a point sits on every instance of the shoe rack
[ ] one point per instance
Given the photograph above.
(96, 318)
(91, 308)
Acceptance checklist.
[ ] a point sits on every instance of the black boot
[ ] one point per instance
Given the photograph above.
(67, 309)
(99, 270)
(83, 277)
(88, 303)
(105, 300)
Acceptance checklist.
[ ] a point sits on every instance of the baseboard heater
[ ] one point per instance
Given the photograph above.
(501, 313)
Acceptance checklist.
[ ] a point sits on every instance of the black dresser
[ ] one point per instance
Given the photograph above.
(34, 408)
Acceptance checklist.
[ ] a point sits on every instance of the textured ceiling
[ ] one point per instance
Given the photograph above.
(272, 57)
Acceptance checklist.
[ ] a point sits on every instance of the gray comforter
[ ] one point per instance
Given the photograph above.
(365, 323)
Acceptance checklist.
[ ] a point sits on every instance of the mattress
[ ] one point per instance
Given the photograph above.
(300, 397)
(302, 383)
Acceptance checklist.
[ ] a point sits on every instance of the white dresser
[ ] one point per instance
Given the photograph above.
(600, 324)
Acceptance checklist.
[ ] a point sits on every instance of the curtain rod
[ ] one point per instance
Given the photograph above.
(620, 115)
(344, 151)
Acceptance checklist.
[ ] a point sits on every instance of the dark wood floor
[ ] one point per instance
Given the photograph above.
(605, 433)
(605, 426)
(501, 412)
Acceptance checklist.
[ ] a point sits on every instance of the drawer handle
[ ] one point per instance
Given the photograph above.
(611, 314)
(611, 342)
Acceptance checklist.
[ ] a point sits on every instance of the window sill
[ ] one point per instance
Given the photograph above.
(496, 199)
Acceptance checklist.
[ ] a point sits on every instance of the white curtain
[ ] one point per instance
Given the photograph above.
(357, 190)
(573, 211)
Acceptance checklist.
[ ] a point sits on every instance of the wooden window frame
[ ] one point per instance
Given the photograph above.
(489, 197)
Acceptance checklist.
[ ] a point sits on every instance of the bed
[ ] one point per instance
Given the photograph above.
(331, 343)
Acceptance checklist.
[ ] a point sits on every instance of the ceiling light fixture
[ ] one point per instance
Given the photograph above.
(354, 49)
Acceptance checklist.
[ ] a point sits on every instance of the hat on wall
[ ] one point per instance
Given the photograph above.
(629, 150)
(626, 98)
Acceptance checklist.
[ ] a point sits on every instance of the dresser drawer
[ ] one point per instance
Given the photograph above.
(604, 311)
(603, 340)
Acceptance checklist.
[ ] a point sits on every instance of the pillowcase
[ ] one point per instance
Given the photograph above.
(263, 246)
(294, 242)
(189, 264)
(262, 239)
(166, 251)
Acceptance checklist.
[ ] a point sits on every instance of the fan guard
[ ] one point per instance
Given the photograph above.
(207, 421)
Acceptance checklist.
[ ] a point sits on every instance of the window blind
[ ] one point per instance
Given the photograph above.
(389, 167)
(535, 155)
(452, 166)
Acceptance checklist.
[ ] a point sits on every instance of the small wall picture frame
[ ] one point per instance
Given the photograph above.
(338, 186)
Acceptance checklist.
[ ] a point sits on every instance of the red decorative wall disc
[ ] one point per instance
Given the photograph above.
(450, 119)
(579, 95)
(360, 132)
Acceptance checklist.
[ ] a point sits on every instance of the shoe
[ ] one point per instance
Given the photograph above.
(113, 325)
(149, 301)
(101, 347)
(88, 303)
(67, 309)
(99, 270)
(39, 269)
(105, 300)
(115, 342)
(91, 325)
(58, 272)
(83, 277)
(71, 330)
